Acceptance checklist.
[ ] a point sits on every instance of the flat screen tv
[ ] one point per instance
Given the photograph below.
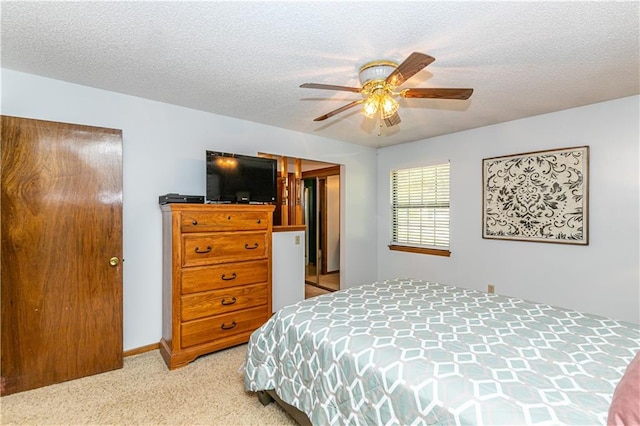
(233, 178)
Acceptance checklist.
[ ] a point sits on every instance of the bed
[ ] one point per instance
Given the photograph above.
(410, 352)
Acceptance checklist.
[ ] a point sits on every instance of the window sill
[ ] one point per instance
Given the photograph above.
(421, 250)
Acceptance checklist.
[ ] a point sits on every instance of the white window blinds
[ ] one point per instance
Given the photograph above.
(420, 206)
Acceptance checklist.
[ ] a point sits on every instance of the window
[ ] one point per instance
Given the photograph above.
(420, 209)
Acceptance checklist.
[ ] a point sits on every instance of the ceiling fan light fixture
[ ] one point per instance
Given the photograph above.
(388, 105)
(377, 93)
(371, 106)
(380, 100)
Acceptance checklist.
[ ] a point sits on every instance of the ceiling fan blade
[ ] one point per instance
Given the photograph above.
(437, 93)
(414, 63)
(339, 110)
(393, 120)
(329, 87)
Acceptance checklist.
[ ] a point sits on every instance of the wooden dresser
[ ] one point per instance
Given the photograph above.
(216, 277)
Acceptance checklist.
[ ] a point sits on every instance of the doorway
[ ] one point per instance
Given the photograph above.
(309, 195)
(322, 217)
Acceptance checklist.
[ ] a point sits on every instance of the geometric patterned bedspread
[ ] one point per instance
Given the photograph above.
(409, 352)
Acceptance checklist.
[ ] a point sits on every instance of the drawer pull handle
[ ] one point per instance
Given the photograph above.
(229, 218)
(207, 250)
(195, 222)
(258, 220)
(226, 278)
(228, 327)
(230, 302)
(255, 246)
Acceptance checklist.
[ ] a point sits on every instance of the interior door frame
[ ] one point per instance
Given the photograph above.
(323, 222)
(321, 176)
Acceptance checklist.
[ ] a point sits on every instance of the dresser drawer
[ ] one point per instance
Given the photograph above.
(223, 276)
(223, 221)
(206, 330)
(218, 302)
(223, 247)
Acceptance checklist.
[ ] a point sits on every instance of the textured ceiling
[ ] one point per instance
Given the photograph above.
(247, 59)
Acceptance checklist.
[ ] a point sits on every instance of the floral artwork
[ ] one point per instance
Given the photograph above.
(537, 196)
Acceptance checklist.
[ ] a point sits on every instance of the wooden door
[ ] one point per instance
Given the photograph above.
(61, 224)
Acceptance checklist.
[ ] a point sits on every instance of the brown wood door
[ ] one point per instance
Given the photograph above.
(61, 224)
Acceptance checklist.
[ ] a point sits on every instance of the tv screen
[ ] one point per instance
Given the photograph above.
(233, 178)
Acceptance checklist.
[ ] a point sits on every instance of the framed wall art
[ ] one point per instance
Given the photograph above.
(537, 196)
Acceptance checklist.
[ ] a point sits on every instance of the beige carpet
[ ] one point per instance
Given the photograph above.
(208, 391)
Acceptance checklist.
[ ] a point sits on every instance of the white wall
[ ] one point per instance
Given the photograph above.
(601, 278)
(163, 151)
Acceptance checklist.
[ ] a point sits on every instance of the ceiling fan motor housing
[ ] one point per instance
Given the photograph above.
(375, 73)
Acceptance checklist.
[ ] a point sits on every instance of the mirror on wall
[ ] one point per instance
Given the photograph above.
(309, 195)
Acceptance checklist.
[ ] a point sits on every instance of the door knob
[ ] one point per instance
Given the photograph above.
(114, 261)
